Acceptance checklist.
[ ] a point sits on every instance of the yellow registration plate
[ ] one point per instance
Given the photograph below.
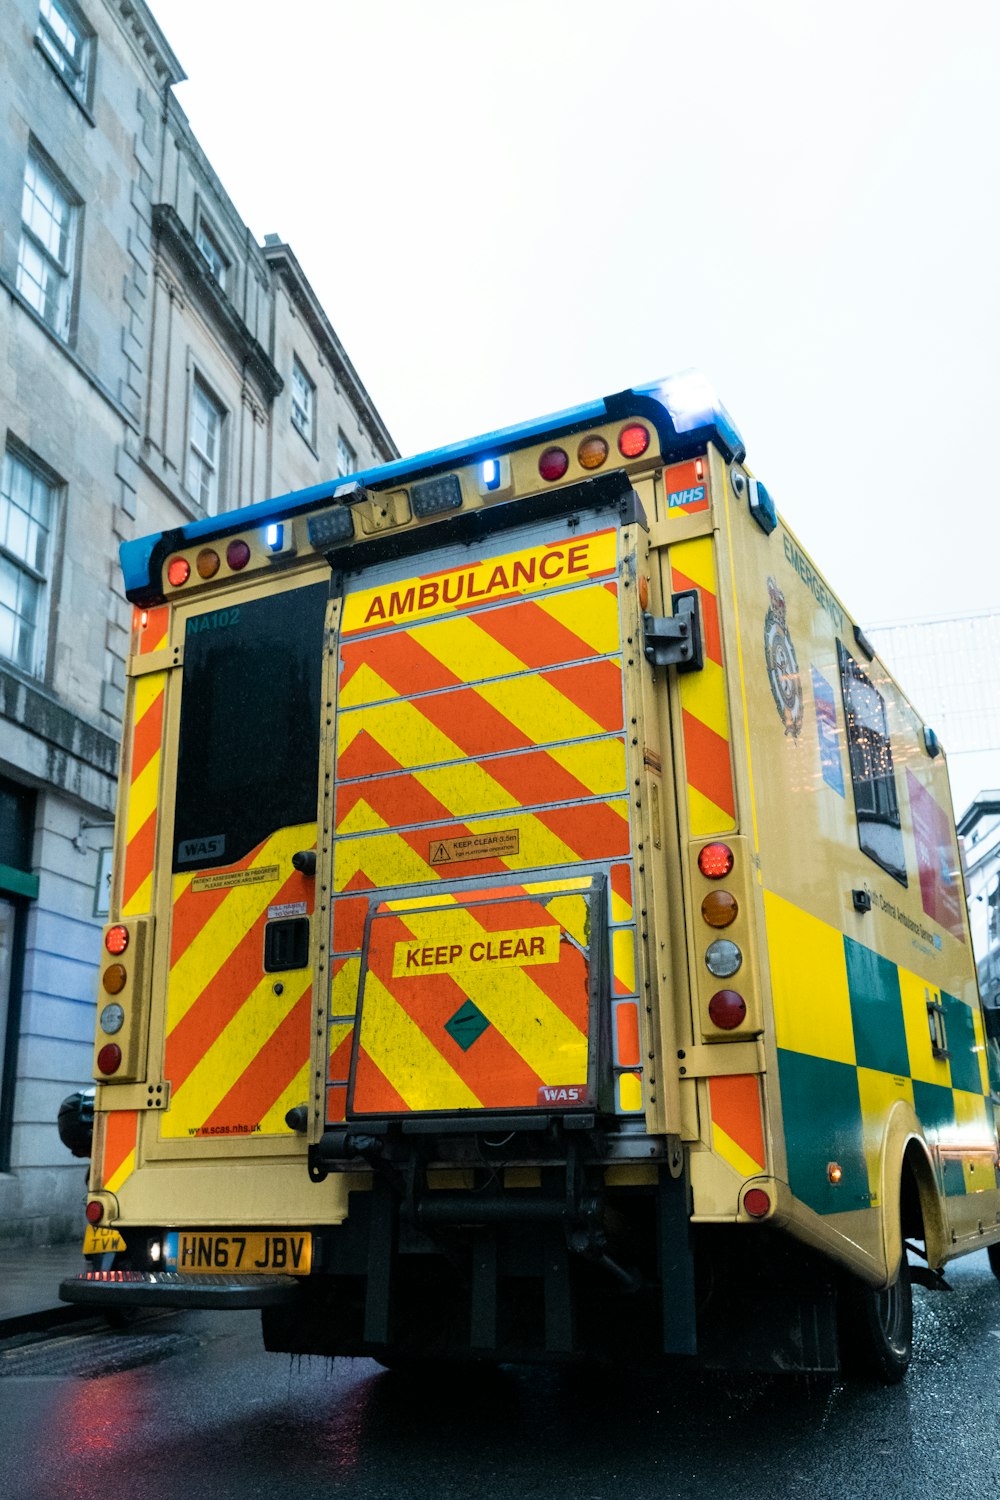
(247, 1253)
(102, 1241)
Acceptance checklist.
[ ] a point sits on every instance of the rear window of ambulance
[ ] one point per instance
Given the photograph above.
(249, 733)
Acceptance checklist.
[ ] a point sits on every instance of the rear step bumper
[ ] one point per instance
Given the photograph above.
(169, 1289)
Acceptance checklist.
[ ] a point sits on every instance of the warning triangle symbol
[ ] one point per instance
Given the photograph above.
(440, 855)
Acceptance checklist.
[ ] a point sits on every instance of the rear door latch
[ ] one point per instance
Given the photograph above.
(676, 641)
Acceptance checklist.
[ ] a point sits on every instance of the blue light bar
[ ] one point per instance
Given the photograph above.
(683, 409)
(274, 536)
(490, 473)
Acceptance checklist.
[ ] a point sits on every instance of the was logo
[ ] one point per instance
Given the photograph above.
(782, 663)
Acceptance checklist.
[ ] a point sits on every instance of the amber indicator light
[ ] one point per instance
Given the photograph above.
(116, 940)
(719, 908)
(113, 979)
(592, 452)
(178, 571)
(208, 563)
(835, 1172)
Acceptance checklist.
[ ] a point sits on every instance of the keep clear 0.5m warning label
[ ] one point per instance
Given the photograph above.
(498, 845)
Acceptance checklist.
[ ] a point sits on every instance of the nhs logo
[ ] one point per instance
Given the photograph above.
(686, 497)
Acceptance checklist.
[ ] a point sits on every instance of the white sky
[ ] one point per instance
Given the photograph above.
(510, 206)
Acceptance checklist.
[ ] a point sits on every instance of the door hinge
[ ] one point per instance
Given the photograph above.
(676, 640)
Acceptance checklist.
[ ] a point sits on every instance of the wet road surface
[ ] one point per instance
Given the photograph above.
(186, 1406)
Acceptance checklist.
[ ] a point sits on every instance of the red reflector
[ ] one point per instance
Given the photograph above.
(116, 940)
(727, 1009)
(178, 571)
(553, 463)
(715, 860)
(109, 1059)
(757, 1203)
(237, 555)
(95, 1211)
(633, 440)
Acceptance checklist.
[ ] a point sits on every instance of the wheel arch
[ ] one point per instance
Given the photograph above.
(912, 1207)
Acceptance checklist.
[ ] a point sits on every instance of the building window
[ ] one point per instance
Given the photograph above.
(869, 747)
(45, 256)
(26, 506)
(212, 253)
(303, 401)
(204, 447)
(347, 459)
(66, 41)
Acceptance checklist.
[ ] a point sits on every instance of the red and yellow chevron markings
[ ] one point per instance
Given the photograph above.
(482, 1004)
(705, 715)
(737, 1124)
(121, 1130)
(149, 633)
(237, 1049)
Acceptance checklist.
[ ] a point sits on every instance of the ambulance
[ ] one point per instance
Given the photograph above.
(537, 927)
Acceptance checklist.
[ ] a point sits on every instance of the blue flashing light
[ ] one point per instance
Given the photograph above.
(490, 473)
(691, 400)
(274, 536)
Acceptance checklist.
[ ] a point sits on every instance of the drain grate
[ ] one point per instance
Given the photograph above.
(93, 1356)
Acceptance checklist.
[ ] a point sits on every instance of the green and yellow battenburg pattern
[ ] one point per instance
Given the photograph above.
(853, 1036)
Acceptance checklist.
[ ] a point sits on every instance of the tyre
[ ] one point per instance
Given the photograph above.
(993, 1251)
(876, 1328)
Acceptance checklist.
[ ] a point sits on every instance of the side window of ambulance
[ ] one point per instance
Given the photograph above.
(876, 800)
(249, 732)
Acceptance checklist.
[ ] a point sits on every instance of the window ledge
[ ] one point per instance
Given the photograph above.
(83, 108)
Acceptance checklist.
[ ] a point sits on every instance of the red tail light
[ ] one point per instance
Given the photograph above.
(94, 1211)
(633, 440)
(715, 861)
(116, 940)
(727, 1009)
(553, 463)
(757, 1203)
(109, 1059)
(178, 571)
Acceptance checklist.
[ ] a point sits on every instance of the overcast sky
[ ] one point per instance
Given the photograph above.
(510, 206)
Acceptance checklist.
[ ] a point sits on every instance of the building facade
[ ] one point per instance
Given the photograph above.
(158, 365)
(979, 827)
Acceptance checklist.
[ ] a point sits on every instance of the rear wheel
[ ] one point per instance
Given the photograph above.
(876, 1328)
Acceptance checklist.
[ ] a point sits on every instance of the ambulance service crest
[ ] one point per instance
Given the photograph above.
(782, 664)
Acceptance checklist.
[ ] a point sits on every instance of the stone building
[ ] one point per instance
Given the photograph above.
(157, 365)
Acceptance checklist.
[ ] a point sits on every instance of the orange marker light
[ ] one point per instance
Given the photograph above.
(113, 979)
(835, 1172)
(592, 452)
(719, 908)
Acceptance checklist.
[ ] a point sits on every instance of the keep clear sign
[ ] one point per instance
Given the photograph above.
(520, 947)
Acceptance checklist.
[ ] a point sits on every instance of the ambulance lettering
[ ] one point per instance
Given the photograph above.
(482, 582)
